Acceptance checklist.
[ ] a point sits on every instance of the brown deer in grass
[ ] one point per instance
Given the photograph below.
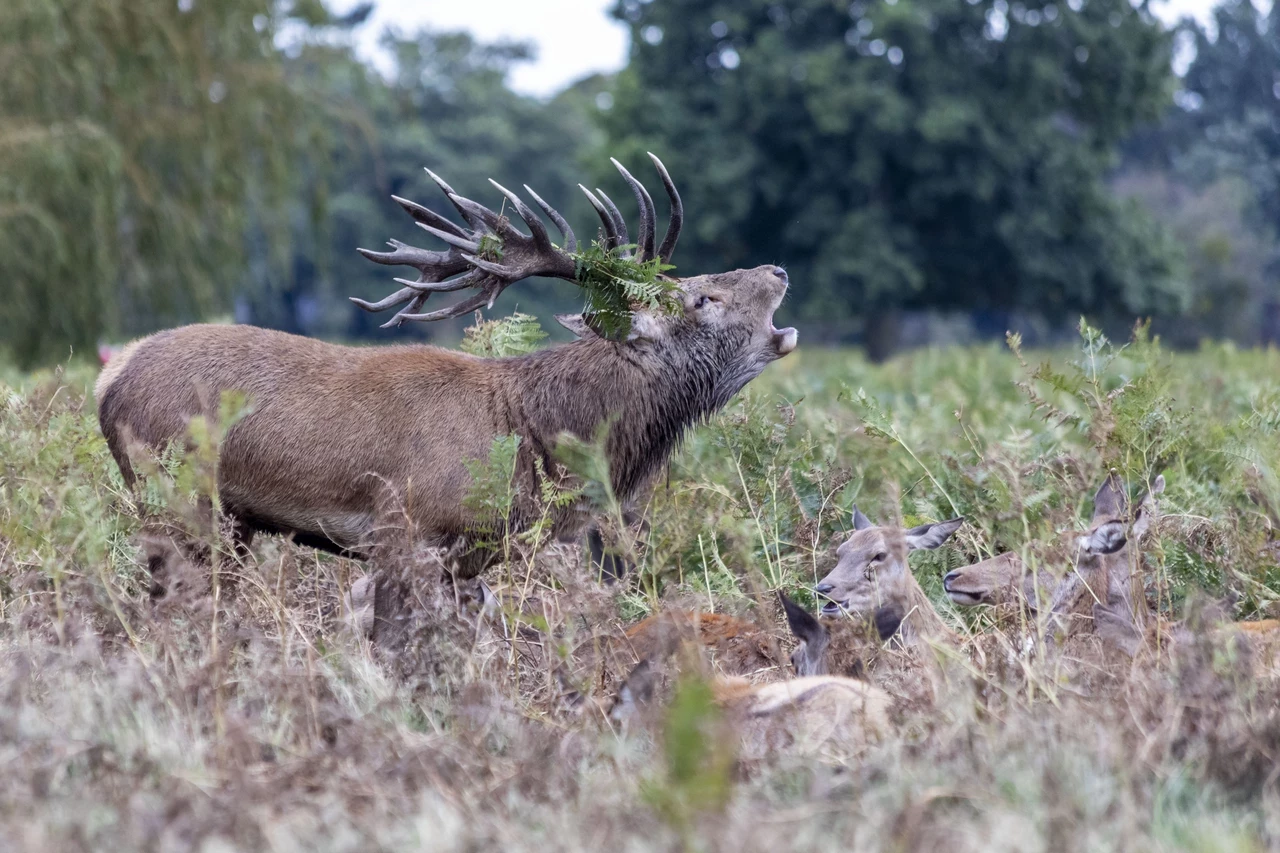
(741, 647)
(872, 573)
(828, 717)
(1097, 587)
(736, 646)
(1101, 595)
(341, 440)
(1100, 568)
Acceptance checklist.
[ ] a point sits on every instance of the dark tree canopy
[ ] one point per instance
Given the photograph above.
(1230, 121)
(908, 153)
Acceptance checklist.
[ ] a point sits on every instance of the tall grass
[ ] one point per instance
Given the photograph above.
(256, 719)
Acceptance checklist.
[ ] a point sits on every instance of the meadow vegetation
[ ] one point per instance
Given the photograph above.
(241, 711)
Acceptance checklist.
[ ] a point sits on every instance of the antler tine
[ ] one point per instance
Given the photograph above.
(396, 298)
(570, 241)
(619, 224)
(449, 286)
(677, 212)
(466, 306)
(493, 221)
(648, 227)
(457, 242)
(419, 290)
(467, 216)
(504, 273)
(536, 228)
(426, 262)
(427, 216)
(611, 236)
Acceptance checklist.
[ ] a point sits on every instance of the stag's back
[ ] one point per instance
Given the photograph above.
(329, 426)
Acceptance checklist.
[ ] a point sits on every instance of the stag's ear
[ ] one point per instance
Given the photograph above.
(860, 521)
(1110, 500)
(930, 536)
(1105, 538)
(1148, 508)
(810, 657)
(577, 324)
(645, 326)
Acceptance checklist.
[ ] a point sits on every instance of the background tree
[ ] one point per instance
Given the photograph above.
(1218, 152)
(140, 141)
(909, 153)
(445, 105)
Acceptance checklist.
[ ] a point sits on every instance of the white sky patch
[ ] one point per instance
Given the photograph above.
(572, 38)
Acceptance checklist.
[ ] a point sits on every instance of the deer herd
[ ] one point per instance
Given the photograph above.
(340, 441)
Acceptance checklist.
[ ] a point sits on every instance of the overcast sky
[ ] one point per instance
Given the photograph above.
(573, 37)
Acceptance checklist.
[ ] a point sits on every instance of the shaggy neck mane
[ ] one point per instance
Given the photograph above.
(650, 395)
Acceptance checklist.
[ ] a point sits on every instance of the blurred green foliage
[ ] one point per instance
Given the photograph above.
(141, 143)
(166, 161)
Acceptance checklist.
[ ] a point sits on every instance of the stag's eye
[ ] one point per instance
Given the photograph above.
(880, 557)
(701, 302)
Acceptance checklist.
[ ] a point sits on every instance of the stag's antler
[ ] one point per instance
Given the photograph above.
(491, 254)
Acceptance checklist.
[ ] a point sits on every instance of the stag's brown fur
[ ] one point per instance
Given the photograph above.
(340, 438)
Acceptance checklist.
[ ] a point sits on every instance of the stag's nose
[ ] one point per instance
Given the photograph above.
(823, 588)
(780, 273)
(949, 578)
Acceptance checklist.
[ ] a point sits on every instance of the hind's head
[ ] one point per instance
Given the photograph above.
(871, 569)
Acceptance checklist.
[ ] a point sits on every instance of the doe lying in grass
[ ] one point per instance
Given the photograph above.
(872, 573)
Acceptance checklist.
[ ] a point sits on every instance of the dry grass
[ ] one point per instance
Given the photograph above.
(243, 712)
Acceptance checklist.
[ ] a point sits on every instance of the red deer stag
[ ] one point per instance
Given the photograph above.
(337, 435)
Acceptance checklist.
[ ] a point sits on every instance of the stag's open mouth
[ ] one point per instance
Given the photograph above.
(783, 340)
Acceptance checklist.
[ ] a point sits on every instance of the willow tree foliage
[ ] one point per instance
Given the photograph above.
(139, 142)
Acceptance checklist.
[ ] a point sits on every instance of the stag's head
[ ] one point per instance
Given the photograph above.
(872, 569)
(722, 323)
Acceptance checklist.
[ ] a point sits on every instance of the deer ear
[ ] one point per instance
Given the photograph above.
(1105, 538)
(810, 657)
(1110, 500)
(860, 521)
(802, 623)
(1147, 509)
(930, 536)
(577, 324)
(635, 693)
